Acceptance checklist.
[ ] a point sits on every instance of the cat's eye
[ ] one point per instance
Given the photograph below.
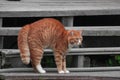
(77, 38)
(81, 38)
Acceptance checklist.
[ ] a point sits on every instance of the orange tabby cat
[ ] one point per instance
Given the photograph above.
(48, 32)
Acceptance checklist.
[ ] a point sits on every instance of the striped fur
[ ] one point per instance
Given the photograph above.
(46, 33)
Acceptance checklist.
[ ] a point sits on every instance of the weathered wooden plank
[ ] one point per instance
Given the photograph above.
(61, 1)
(85, 69)
(104, 73)
(54, 76)
(80, 60)
(14, 53)
(64, 0)
(9, 31)
(87, 31)
(74, 51)
(58, 9)
(1, 38)
(68, 0)
(48, 12)
(68, 21)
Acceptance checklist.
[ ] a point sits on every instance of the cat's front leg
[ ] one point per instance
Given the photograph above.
(64, 64)
(58, 60)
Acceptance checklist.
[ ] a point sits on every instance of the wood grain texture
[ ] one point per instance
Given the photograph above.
(68, 21)
(1, 38)
(87, 31)
(85, 69)
(101, 73)
(14, 53)
(59, 8)
(74, 51)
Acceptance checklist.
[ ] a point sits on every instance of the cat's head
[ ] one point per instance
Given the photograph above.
(74, 38)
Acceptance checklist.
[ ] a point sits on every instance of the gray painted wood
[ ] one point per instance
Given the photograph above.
(74, 51)
(85, 69)
(69, 0)
(54, 76)
(102, 73)
(1, 38)
(1, 43)
(14, 53)
(87, 31)
(65, 8)
(80, 61)
(68, 21)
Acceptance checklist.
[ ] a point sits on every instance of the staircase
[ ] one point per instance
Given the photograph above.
(66, 10)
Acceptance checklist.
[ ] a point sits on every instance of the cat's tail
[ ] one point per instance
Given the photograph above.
(23, 44)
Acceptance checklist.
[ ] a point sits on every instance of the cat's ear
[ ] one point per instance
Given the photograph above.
(70, 32)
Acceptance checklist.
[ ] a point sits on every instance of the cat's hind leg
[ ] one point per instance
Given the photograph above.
(40, 69)
(36, 57)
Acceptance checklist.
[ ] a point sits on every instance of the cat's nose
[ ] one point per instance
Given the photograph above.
(71, 42)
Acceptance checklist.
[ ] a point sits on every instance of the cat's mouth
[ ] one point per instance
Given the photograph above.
(74, 45)
(79, 42)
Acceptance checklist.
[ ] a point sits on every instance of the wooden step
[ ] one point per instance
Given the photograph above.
(87, 31)
(59, 8)
(73, 51)
(79, 74)
(87, 1)
(14, 53)
(85, 69)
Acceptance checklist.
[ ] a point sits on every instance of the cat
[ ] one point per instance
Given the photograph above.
(48, 32)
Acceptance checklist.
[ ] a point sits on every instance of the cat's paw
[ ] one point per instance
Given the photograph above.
(26, 61)
(67, 71)
(61, 72)
(42, 71)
